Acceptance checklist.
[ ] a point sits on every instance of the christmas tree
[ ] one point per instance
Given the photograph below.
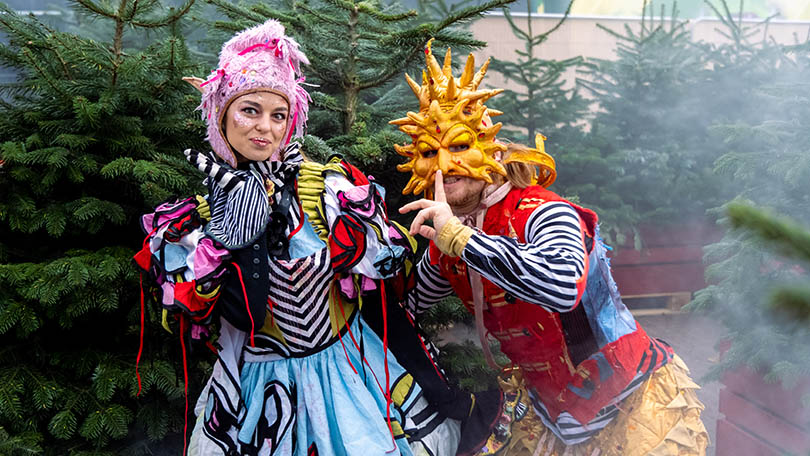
(541, 103)
(92, 135)
(646, 156)
(765, 134)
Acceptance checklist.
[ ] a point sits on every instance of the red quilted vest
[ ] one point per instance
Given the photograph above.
(538, 340)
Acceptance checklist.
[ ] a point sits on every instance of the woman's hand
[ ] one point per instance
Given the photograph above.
(437, 211)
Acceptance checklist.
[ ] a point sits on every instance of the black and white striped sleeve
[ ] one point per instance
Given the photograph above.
(227, 180)
(542, 271)
(430, 287)
(238, 217)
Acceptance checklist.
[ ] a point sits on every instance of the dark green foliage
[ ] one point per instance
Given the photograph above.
(92, 133)
(766, 139)
(462, 360)
(465, 364)
(784, 235)
(770, 330)
(445, 314)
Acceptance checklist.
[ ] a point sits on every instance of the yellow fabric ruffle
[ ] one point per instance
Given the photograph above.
(310, 192)
(661, 418)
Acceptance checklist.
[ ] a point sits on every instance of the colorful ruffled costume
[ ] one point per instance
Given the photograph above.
(299, 260)
(586, 378)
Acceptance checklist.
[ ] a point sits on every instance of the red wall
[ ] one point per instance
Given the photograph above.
(761, 418)
(671, 260)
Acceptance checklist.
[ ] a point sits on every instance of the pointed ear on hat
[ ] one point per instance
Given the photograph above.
(196, 82)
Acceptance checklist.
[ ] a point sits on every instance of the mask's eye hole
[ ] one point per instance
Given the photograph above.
(460, 143)
(427, 150)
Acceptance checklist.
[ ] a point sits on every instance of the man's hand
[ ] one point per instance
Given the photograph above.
(437, 211)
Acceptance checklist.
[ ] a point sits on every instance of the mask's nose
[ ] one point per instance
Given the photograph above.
(449, 165)
(443, 161)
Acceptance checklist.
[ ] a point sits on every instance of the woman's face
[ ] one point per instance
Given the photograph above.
(255, 124)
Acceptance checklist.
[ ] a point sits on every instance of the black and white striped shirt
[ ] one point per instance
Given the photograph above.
(543, 270)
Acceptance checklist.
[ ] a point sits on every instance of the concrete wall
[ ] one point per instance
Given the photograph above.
(579, 36)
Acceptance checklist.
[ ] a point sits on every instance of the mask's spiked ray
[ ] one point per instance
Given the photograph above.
(435, 110)
(405, 151)
(480, 75)
(434, 70)
(483, 95)
(411, 130)
(489, 94)
(469, 71)
(420, 186)
(451, 93)
(411, 183)
(447, 68)
(416, 88)
(411, 119)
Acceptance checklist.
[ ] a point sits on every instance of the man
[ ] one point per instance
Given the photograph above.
(532, 268)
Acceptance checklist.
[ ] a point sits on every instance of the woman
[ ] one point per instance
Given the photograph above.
(289, 252)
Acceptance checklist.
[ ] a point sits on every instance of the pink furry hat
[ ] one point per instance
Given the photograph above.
(261, 57)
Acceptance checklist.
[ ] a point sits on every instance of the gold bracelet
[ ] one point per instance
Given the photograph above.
(453, 237)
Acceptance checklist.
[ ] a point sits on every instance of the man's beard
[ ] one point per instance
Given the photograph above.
(463, 201)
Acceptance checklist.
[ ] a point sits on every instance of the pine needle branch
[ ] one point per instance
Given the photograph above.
(364, 7)
(783, 233)
(470, 13)
(174, 16)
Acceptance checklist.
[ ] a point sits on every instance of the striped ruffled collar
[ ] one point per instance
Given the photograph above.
(281, 171)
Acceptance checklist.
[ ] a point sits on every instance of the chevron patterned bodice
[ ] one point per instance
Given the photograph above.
(299, 292)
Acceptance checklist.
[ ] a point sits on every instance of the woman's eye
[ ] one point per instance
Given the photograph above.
(280, 116)
(429, 153)
(459, 147)
(251, 111)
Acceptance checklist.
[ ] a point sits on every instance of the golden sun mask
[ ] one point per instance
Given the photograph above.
(452, 131)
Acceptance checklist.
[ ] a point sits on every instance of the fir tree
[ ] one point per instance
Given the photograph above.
(93, 133)
(766, 140)
(646, 156)
(541, 104)
(356, 46)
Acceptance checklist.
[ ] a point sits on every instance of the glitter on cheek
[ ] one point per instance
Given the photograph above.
(241, 121)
